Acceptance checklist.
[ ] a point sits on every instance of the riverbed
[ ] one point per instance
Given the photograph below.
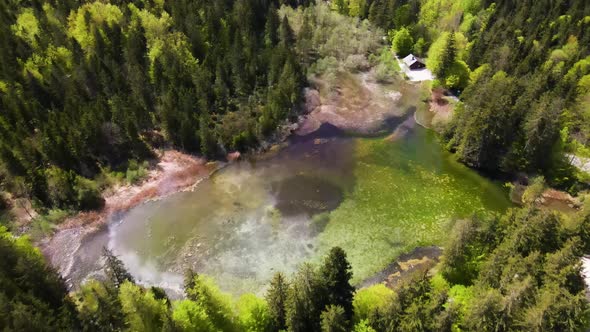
(376, 196)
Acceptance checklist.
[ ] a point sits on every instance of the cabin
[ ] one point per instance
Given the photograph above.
(414, 62)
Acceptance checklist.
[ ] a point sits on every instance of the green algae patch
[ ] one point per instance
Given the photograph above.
(406, 195)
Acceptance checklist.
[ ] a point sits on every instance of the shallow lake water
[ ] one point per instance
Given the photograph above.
(375, 197)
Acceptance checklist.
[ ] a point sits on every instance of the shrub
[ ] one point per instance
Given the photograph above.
(136, 172)
(87, 194)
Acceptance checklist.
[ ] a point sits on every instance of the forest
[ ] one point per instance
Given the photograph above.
(521, 71)
(90, 90)
(88, 87)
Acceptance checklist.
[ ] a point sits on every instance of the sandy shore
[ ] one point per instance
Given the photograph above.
(174, 172)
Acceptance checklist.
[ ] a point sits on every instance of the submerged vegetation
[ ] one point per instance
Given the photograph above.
(406, 194)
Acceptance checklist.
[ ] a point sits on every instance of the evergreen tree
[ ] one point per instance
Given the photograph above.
(336, 273)
(305, 301)
(99, 307)
(115, 269)
(449, 56)
(271, 28)
(286, 35)
(334, 319)
(208, 141)
(276, 297)
(341, 6)
(189, 283)
(33, 297)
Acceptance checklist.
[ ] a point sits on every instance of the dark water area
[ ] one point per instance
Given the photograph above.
(306, 195)
(325, 131)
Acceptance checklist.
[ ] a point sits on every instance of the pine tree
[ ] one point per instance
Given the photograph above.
(449, 56)
(305, 301)
(334, 319)
(336, 274)
(115, 269)
(208, 141)
(271, 27)
(286, 35)
(341, 6)
(189, 283)
(276, 297)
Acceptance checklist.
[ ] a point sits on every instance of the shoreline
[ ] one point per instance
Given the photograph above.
(174, 172)
(402, 266)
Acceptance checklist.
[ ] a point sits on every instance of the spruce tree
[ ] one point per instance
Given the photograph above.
(115, 270)
(286, 34)
(189, 283)
(271, 27)
(276, 297)
(341, 6)
(334, 319)
(449, 56)
(336, 274)
(305, 301)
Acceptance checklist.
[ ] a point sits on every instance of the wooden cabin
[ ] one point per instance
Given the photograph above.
(414, 62)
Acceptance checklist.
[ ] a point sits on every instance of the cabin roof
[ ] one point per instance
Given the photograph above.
(411, 59)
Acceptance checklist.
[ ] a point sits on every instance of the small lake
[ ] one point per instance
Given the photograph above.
(375, 197)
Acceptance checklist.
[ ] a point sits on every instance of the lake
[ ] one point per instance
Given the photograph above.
(376, 197)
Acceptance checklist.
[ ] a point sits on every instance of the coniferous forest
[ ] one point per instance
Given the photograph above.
(92, 90)
(89, 85)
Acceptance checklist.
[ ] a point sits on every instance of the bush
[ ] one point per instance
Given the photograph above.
(382, 73)
(108, 178)
(253, 314)
(66, 190)
(403, 43)
(136, 172)
(60, 187)
(87, 194)
(368, 301)
(356, 62)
